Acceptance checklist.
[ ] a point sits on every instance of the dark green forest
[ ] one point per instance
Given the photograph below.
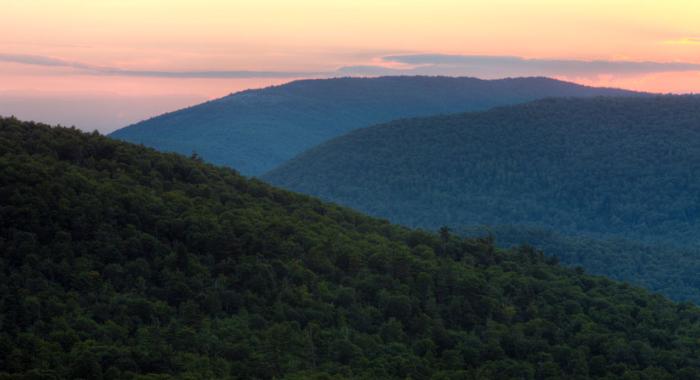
(119, 262)
(622, 171)
(668, 270)
(254, 131)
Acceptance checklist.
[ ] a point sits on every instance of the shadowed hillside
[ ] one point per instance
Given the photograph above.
(119, 262)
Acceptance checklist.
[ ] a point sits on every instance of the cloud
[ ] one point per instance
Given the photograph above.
(482, 66)
(114, 71)
(41, 61)
(515, 66)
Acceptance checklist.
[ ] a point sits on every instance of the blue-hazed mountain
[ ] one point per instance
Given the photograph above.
(256, 130)
(604, 168)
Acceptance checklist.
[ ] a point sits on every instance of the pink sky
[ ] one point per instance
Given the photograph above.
(105, 64)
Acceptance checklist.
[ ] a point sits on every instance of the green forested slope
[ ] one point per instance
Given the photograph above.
(118, 262)
(669, 270)
(605, 168)
(255, 130)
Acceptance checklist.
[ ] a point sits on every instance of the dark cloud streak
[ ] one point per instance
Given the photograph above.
(420, 64)
(111, 71)
(42, 61)
(476, 64)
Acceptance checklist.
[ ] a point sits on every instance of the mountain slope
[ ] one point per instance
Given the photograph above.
(665, 269)
(256, 130)
(606, 167)
(119, 262)
(628, 166)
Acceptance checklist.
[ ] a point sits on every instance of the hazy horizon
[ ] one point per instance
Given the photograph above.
(113, 63)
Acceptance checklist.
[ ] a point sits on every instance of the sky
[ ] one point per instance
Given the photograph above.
(103, 64)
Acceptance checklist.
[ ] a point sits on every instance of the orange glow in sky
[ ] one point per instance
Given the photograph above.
(131, 48)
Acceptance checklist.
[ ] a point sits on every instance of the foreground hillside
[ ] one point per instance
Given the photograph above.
(256, 130)
(119, 262)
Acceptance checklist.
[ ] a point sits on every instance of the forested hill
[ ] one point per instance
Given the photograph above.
(609, 184)
(118, 262)
(661, 268)
(254, 131)
(605, 166)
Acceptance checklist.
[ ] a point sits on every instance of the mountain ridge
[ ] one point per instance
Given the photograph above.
(256, 130)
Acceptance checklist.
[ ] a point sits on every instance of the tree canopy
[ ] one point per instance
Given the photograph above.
(119, 262)
(603, 168)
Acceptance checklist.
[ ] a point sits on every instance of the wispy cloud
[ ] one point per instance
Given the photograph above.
(483, 66)
(114, 71)
(42, 61)
(499, 66)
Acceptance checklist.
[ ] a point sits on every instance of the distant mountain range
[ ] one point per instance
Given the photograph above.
(605, 168)
(120, 262)
(257, 130)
